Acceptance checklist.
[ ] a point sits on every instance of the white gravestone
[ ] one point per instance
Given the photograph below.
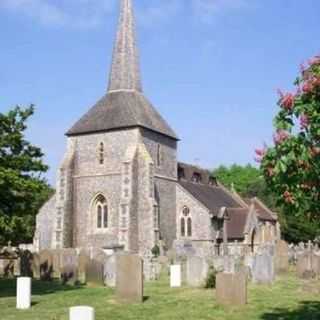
(23, 293)
(81, 313)
(175, 276)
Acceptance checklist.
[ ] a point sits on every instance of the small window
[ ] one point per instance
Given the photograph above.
(105, 216)
(183, 227)
(186, 223)
(159, 155)
(189, 227)
(156, 217)
(101, 153)
(196, 177)
(99, 217)
(101, 212)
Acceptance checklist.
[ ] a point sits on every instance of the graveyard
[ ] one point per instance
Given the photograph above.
(288, 299)
(125, 229)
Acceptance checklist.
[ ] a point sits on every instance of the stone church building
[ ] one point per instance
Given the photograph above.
(120, 184)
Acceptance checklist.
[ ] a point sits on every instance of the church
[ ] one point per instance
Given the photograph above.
(120, 185)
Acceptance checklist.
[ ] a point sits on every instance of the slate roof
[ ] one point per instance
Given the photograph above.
(263, 212)
(236, 222)
(120, 110)
(211, 197)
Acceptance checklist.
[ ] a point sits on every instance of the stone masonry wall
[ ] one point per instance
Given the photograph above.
(201, 222)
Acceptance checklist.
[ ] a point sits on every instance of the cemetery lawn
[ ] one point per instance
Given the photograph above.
(288, 299)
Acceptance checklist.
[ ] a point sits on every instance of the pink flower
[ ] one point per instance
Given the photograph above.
(307, 87)
(280, 136)
(304, 121)
(287, 101)
(261, 153)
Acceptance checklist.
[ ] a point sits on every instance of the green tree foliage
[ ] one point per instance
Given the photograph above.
(291, 166)
(22, 188)
(247, 180)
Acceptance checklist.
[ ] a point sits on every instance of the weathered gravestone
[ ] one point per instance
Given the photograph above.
(17, 267)
(307, 265)
(57, 263)
(46, 265)
(110, 268)
(83, 261)
(36, 266)
(197, 271)
(282, 257)
(95, 273)
(263, 268)
(69, 266)
(129, 280)
(231, 288)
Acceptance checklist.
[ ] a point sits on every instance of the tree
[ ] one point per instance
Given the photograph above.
(247, 180)
(291, 166)
(22, 188)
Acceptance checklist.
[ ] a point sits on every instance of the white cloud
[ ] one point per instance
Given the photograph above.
(92, 13)
(71, 13)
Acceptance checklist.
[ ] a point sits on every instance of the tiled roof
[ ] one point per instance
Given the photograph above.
(212, 197)
(262, 211)
(120, 110)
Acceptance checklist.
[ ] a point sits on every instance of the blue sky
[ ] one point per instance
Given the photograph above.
(211, 67)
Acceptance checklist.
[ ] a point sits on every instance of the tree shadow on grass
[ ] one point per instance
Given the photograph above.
(307, 310)
(8, 287)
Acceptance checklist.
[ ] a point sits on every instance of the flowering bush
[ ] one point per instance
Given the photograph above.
(292, 166)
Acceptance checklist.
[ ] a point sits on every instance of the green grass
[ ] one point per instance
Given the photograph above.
(288, 299)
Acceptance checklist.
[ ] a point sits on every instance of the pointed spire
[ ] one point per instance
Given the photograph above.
(125, 70)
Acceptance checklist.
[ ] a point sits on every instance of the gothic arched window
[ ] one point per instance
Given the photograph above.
(186, 223)
(101, 212)
(101, 153)
(183, 227)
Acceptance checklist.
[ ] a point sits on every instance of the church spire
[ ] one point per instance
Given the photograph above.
(125, 71)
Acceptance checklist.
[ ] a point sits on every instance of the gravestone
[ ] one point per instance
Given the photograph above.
(36, 266)
(57, 263)
(46, 265)
(197, 271)
(81, 313)
(304, 266)
(263, 269)
(83, 261)
(23, 293)
(95, 273)
(1, 268)
(231, 289)
(17, 267)
(69, 266)
(129, 280)
(175, 276)
(282, 257)
(110, 267)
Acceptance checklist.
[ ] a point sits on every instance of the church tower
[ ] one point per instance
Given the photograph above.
(117, 183)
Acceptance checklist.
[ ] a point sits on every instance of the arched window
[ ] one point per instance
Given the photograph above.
(101, 153)
(183, 227)
(186, 223)
(101, 212)
(189, 227)
(159, 155)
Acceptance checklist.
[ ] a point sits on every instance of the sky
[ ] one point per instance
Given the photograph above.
(211, 67)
